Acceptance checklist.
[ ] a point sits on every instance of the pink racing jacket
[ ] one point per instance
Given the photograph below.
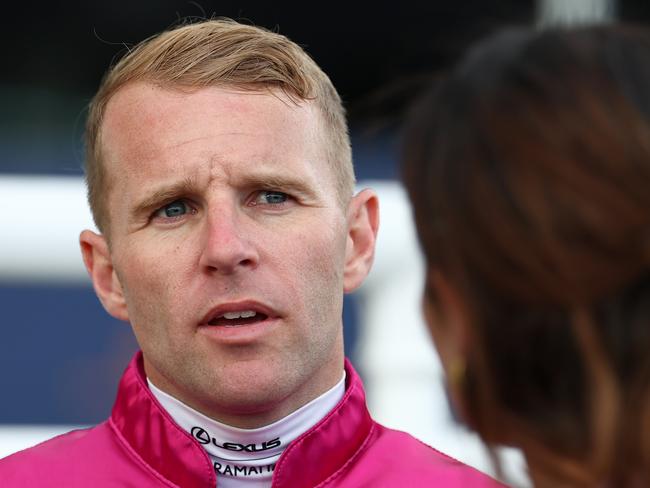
(141, 446)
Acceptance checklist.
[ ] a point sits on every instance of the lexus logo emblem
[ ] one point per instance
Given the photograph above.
(201, 435)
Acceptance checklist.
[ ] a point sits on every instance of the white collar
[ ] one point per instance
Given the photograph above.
(247, 457)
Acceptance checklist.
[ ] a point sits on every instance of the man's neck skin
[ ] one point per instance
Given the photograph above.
(254, 415)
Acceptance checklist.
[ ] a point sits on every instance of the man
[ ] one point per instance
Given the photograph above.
(219, 174)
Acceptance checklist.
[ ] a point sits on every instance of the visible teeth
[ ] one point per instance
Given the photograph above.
(246, 314)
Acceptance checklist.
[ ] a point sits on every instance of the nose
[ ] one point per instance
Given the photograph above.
(227, 246)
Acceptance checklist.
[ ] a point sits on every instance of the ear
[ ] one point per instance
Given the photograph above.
(97, 258)
(363, 222)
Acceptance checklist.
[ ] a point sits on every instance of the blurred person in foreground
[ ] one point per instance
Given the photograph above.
(219, 173)
(529, 171)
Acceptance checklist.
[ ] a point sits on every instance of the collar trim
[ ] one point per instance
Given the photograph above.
(149, 434)
(154, 437)
(341, 434)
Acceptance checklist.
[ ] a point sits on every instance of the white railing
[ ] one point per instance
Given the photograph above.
(40, 229)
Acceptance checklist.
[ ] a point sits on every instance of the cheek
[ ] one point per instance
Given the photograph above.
(325, 262)
(318, 256)
(437, 328)
(151, 277)
(310, 266)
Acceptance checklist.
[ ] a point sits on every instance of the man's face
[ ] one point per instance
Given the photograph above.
(229, 252)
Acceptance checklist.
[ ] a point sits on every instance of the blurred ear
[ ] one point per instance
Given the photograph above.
(363, 222)
(97, 259)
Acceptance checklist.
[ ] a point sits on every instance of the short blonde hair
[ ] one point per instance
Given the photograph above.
(220, 52)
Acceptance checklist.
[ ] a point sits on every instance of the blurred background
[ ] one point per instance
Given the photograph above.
(61, 355)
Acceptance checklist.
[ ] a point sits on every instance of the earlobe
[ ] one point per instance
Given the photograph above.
(97, 258)
(363, 223)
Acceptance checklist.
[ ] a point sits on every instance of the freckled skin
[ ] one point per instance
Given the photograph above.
(296, 256)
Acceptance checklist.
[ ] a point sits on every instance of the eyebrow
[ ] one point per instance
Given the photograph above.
(279, 182)
(189, 185)
(162, 195)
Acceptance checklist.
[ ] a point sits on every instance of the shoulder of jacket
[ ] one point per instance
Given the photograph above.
(411, 457)
(58, 447)
(41, 465)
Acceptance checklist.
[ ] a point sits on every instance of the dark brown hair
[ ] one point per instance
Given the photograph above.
(529, 171)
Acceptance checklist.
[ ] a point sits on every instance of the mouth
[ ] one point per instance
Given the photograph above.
(238, 319)
(238, 314)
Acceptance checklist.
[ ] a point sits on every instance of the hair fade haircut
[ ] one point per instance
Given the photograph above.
(223, 53)
(529, 172)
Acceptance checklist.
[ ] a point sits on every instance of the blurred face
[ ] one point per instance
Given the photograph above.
(447, 320)
(229, 252)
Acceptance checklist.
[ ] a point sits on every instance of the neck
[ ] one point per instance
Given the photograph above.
(247, 457)
(263, 404)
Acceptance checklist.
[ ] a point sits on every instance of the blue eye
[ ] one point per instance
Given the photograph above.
(176, 208)
(271, 197)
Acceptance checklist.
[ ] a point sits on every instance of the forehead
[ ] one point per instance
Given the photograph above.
(143, 118)
(151, 132)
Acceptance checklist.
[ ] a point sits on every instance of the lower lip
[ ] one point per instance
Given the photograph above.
(240, 334)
